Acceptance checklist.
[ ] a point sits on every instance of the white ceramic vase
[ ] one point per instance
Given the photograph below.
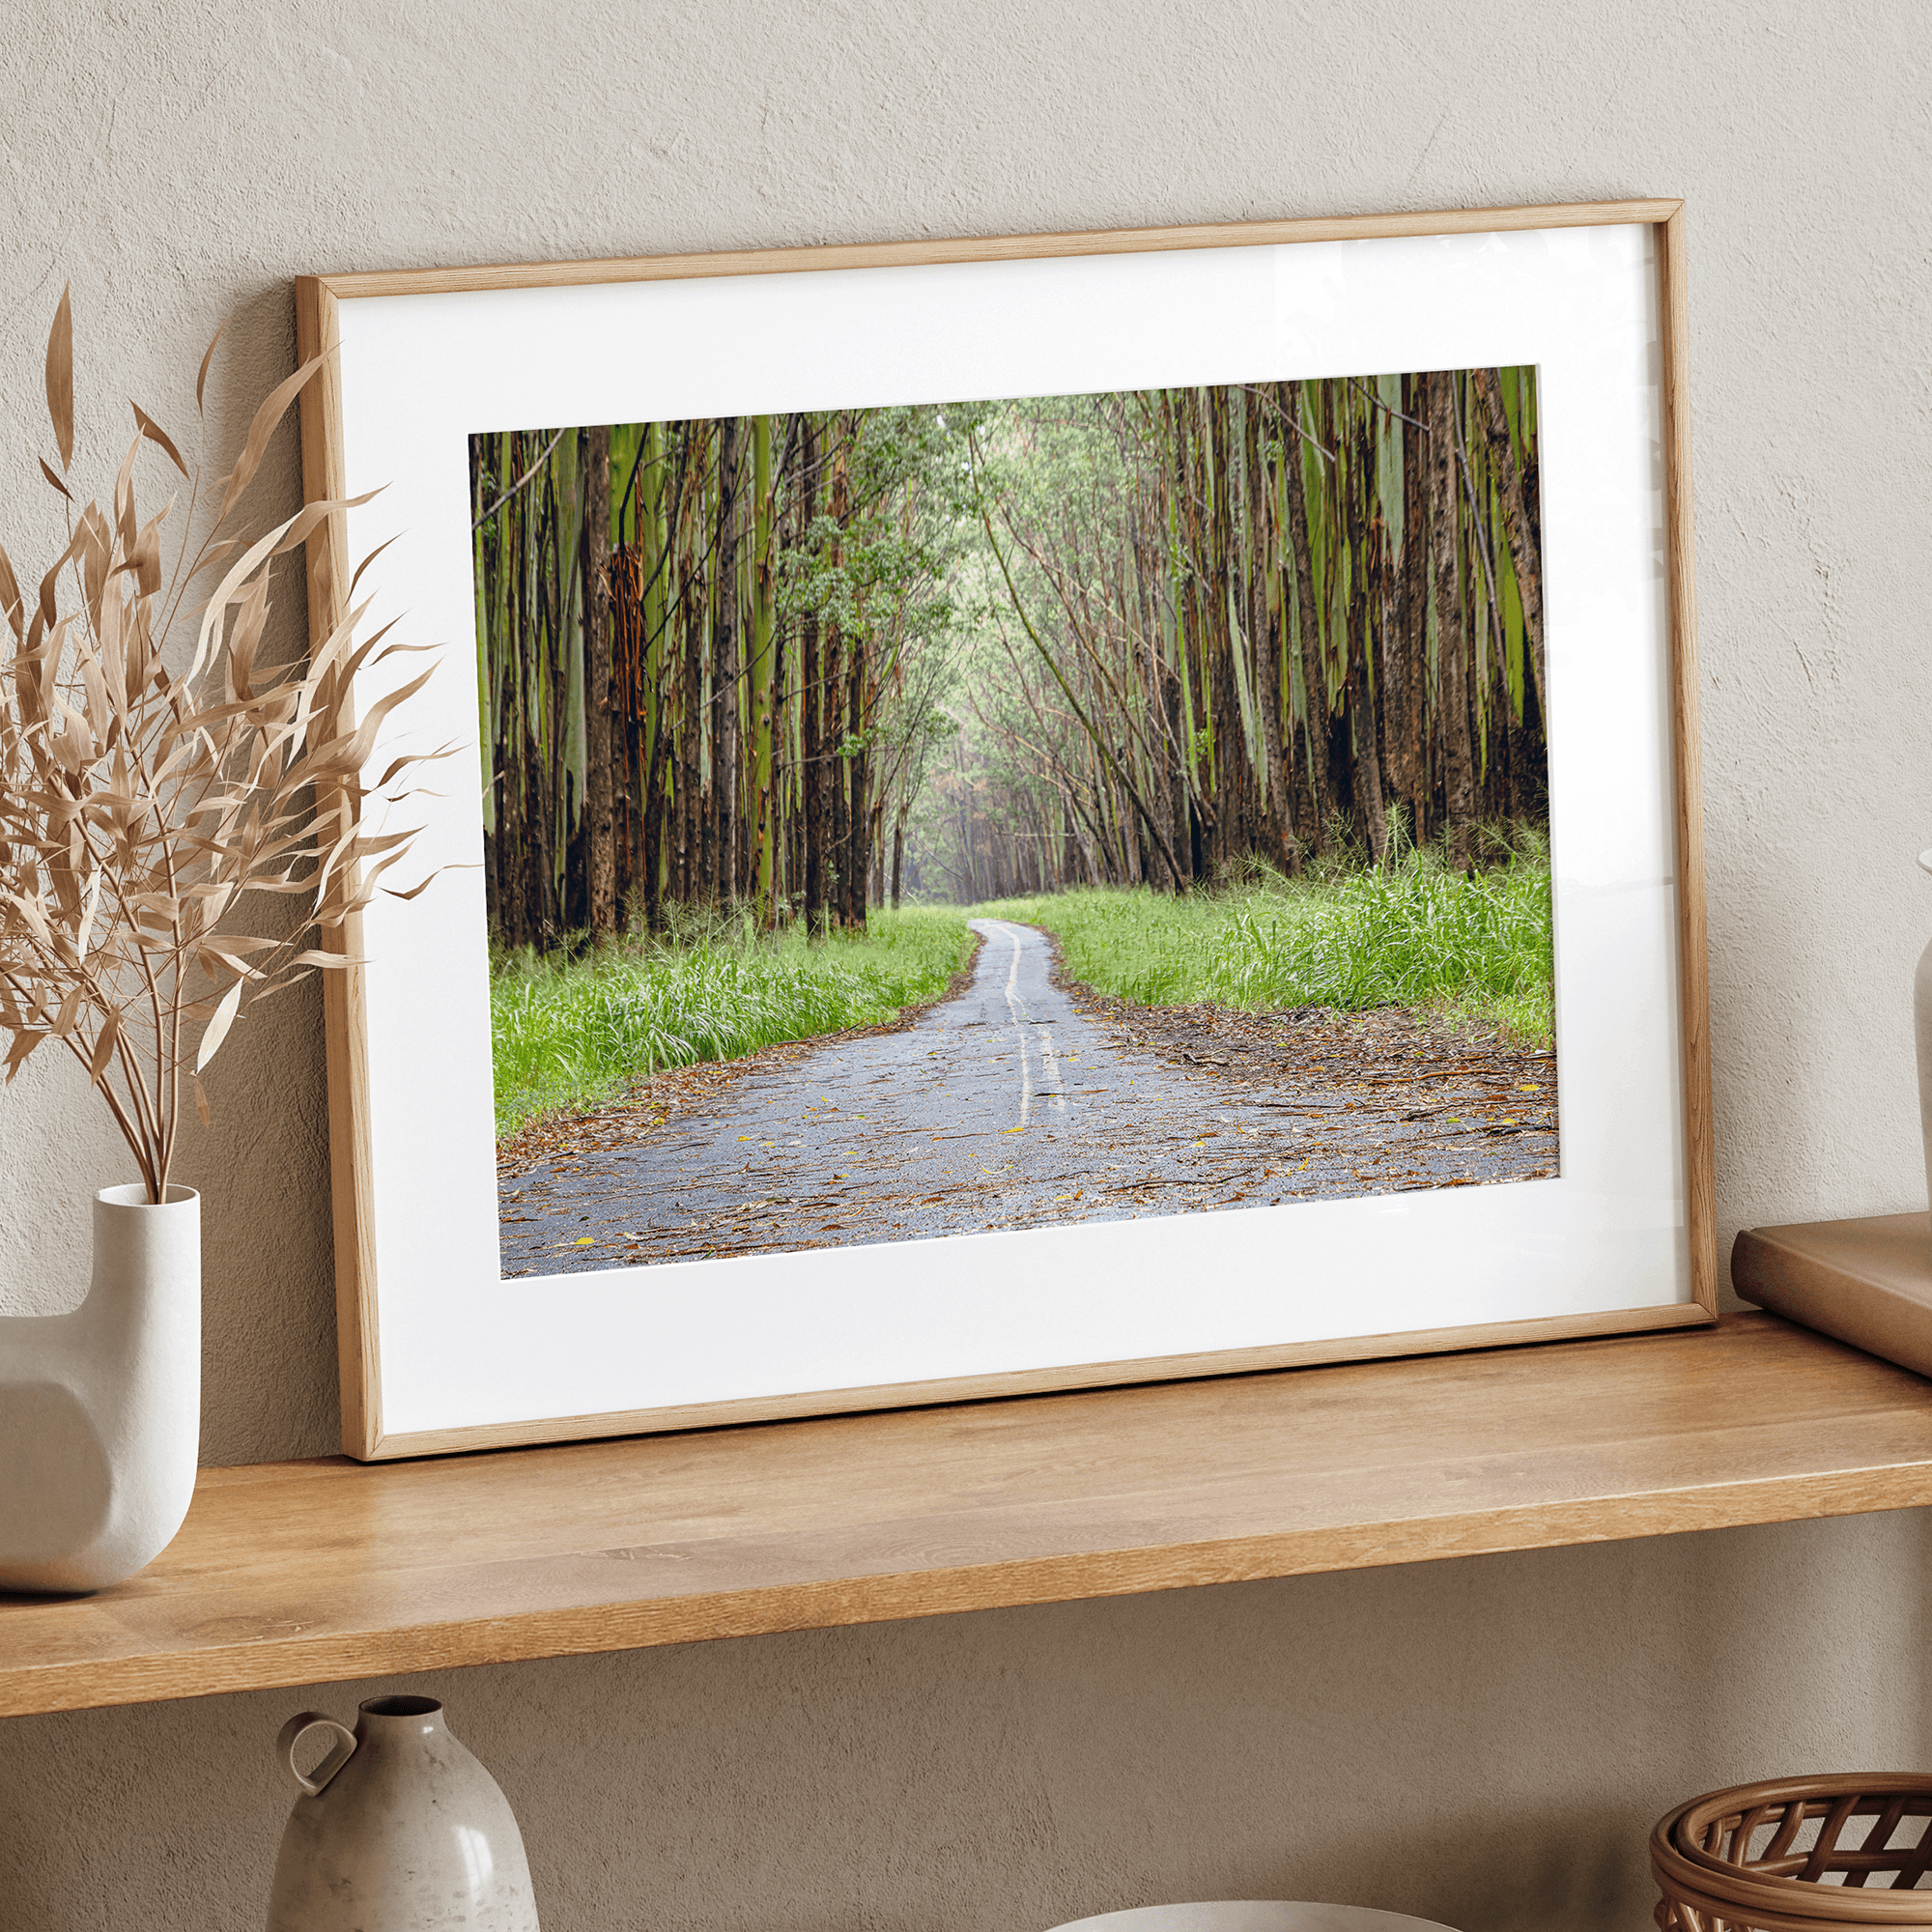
(397, 1830)
(101, 1408)
(1921, 1028)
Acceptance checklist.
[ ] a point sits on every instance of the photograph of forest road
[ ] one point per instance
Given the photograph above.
(905, 822)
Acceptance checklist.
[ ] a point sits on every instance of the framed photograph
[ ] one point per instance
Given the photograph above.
(1015, 814)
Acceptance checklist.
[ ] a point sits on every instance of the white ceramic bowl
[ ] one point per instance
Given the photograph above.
(1253, 1915)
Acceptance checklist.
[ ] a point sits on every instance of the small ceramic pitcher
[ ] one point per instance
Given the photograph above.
(397, 1830)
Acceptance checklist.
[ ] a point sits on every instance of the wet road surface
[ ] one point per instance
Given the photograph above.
(1019, 1103)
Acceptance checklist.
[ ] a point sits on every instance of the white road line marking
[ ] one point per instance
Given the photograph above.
(1051, 1069)
(1018, 1013)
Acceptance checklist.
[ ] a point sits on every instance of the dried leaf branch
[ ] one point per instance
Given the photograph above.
(138, 810)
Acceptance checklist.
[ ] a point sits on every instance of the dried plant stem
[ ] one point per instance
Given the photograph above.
(137, 809)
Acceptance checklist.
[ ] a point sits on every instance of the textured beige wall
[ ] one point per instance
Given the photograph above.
(1482, 1742)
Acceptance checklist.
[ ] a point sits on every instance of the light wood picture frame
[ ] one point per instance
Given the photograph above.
(438, 1353)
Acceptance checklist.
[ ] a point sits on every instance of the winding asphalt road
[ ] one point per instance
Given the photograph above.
(1008, 1106)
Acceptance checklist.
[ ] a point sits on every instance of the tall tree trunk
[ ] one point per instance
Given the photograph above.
(860, 818)
(1164, 775)
(764, 686)
(704, 547)
(1410, 773)
(1360, 485)
(690, 730)
(835, 771)
(1368, 787)
(1314, 671)
(1196, 653)
(1218, 471)
(1267, 613)
(657, 885)
(812, 672)
(540, 886)
(1521, 523)
(1174, 710)
(1451, 650)
(845, 697)
(653, 651)
(626, 743)
(599, 788)
(724, 662)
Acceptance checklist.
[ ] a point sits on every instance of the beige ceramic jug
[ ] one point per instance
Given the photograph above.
(397, 1830)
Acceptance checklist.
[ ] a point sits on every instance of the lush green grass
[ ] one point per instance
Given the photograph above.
(1415, 934)
(574, 1033)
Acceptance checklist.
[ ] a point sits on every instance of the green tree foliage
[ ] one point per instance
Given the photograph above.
(1230, 625)
(802, 663)
(778, 602)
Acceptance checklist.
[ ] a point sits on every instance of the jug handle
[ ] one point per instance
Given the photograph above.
(340, 1752)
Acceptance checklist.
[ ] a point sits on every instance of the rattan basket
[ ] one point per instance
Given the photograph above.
(1801, 1854)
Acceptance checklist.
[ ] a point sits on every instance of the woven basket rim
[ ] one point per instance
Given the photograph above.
(1711, 1883)
(1820, 1908)
(1771, 1916)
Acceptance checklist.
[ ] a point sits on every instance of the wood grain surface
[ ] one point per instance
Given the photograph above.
(1030, 1382)
(345, 1017)
(300, 1573)
(991, 248)
(1866, 1281)
(1686, 761)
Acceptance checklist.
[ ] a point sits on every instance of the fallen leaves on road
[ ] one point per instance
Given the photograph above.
(1381, 1102)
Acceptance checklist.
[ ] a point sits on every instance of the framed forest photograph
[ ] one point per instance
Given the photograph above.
(1013, 814)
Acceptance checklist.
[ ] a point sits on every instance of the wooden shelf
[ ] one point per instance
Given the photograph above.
(298, 1573)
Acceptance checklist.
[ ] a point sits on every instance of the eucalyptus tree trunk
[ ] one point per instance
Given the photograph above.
(691, 602)
(688, 632)
(1174, 715)
(847, 662)
(1166, 646)
(1163, 777)
(540, 891)
(1266, 620)
(1314, 671)
(763, 685)
(1196, 652)
(1217, 475)
(1368, 783)
(859, 830)
(1408, 774)
(539, 760)
(1520, 526)
(651, 652)
(1451, 650)
(489, 642)
(834, 771)
(1331, 579)
(724, 662)
(703, 544)
(601, 855)
(815, 782)
(1358, 485)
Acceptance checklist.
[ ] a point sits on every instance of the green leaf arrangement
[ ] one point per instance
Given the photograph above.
(140, 810)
